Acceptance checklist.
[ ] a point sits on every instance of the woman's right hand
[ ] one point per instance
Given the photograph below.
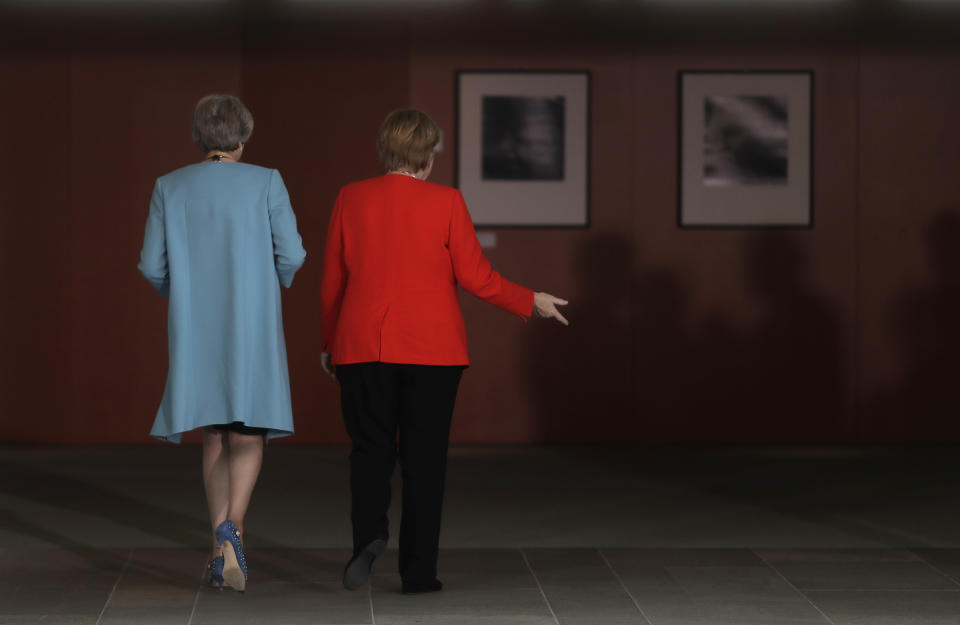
(326, 363)
(545, 305)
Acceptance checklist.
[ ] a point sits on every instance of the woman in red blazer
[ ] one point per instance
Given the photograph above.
(397, 248)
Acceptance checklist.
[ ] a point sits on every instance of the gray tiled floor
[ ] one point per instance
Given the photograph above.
(482, 586)
(857, 569)
(581, 588)
(709, 586)
(531, 537)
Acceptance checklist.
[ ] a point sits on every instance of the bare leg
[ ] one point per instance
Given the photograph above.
(216, 479)
(246, 456)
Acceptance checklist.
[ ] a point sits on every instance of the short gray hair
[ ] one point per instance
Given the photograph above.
(221, 122)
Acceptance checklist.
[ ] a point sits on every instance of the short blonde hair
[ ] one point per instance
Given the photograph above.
(407, 138)
(221, 122)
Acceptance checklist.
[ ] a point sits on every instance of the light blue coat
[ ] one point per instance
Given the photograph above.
(220, 240)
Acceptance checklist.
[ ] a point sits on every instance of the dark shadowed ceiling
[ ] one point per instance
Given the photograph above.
(494, 21)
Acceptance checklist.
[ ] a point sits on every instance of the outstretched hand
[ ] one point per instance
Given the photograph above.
(545, 305)
(326, 363)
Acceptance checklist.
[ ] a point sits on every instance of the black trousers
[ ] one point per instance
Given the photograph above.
(379, 401)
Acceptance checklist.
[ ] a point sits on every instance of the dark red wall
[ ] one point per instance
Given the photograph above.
(842, 333)
(35, 255)
(909, 244)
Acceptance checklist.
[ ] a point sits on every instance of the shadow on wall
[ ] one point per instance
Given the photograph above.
(603, 378)
(925, 405)
(781, 379)
(580, 376)
(629, 369)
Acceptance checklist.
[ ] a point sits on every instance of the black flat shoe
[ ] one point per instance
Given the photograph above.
(358, 569)
(417, 588)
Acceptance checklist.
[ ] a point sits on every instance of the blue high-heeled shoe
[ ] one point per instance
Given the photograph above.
(215, 572)
(234, 560)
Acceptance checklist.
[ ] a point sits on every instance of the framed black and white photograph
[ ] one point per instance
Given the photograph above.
(746, 149)
(523, 147)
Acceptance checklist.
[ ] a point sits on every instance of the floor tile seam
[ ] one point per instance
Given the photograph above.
(539, 586)
(196, 597)
(113, 590)
(791, 585)
(935, 567)
(373, 616)
(616, 576)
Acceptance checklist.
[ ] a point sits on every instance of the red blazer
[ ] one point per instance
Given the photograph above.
(396, 250)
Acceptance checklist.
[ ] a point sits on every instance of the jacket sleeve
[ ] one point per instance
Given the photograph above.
(334, 280)
(153, 256)
(287, 245)
(473, 271)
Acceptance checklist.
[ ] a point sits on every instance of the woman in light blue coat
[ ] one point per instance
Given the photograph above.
(221, 239)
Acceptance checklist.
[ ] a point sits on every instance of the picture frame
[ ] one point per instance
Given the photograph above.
(745, 149)
(523, 147)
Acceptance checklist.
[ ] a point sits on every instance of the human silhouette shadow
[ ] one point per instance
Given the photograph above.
(781, 380)
(587, 382)
(927, 332)
(580, 375)
(662, 356)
